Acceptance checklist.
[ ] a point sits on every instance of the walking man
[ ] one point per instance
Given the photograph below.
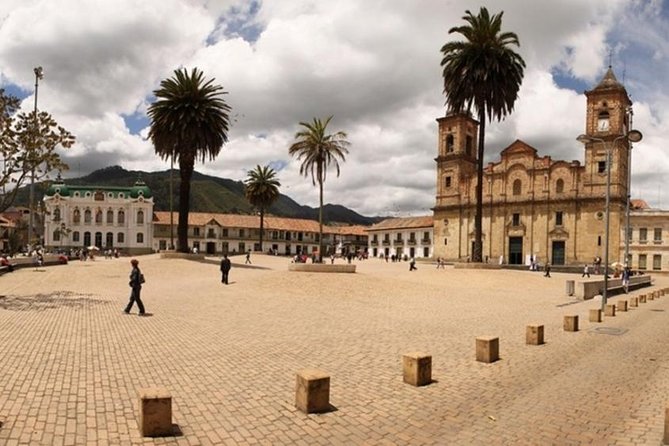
(248, 258)
(412, 264)
(547, 268)
(586, 271)
(225, 268)
(136, 281)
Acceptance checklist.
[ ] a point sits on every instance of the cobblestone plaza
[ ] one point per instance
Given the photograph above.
(72, 362)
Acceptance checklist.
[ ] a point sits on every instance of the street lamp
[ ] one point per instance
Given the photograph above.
(39, 74)
(631, 136)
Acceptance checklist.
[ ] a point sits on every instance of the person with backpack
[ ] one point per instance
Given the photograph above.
(136, 281)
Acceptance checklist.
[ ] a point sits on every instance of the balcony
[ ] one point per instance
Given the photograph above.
(411, 241)
(374, 243)
(386, 243)
(426, 241)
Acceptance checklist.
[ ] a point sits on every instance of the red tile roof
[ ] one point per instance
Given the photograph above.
(425, 221)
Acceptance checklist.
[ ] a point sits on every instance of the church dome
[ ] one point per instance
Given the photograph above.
(58, 187)
(140, 189)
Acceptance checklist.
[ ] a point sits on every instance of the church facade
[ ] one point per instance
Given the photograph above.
(535, 206)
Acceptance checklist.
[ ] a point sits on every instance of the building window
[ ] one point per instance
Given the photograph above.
(630, 233)
(140, 217)
(56, 235)
(110, 217)
(515, 220)
(469, 143)
(140, 237)
(601, 166)
(98, 216)
(599, 240)
(657, 235)
(558, 218)
(196, 232)
(643, 261)
(657, 262)
(75, 236)
(643, 235)
(76, 216)
(448, 181)
(241, 233)
(162, 245)
(516, 187)
(225, 232)
(56, 214)
(375, 238)
(559, 186)
(386, 237)
(120, 237)
(109, 239)
(450, 142)
(121, 217)
(87, 216)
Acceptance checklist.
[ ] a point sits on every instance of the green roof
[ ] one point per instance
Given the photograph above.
(139, 189)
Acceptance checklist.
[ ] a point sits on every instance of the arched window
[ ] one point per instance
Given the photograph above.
(140, 237)
(140, 217)
(98, 216)
(559, 186)
(76, 216)
(121, 217)
(109, 240)
(56, 214)
(516, 187)
(120, 237)
(75, 236)
(603, 121)
(87, 216)
(110, 217)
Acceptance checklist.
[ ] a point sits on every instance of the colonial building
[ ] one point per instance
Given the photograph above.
(534, 205)
(648, 238)
(410, 236)
(105, 217)
(232, 234)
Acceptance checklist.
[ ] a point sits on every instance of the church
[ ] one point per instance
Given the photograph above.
(535, 206)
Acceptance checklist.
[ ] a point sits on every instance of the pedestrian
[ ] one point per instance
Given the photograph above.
(547, 268)
(586, 271)
(248, 257)
(225, 269)
(626, 278)
(412, 264)
(136, 281)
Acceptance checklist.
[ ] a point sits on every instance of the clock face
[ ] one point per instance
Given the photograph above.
(603, 125)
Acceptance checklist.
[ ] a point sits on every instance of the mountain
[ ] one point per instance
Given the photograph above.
(208, 194)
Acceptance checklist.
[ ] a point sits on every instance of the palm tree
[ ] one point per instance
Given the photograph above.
(318, 150)
(482, 72)
(261, 188)
(189, 121)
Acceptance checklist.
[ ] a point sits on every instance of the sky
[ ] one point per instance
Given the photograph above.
(373, 65)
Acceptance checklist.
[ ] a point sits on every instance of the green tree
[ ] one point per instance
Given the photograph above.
(28, 143)
(189, 121)
(261, 188)
(318, 150)
(484, 73)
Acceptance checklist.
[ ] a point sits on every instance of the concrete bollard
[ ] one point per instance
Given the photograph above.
(610, 310)
(622, 305)
(634, 302)
(487, 349)
(312, 391)
(642, 299)
(534, 334)
(417, 368)
(155, 412)
(651, 296)
(595, 315)
(570, 323)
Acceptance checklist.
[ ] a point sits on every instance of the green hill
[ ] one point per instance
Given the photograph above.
(208, 194)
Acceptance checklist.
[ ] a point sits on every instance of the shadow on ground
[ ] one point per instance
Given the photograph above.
(50, 301)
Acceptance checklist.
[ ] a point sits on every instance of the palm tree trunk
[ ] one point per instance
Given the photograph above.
(262, 224)
(186, 167)
(320, 222)
(477, 255)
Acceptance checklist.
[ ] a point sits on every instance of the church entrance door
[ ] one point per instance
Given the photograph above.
(558, 253)
(515, 250)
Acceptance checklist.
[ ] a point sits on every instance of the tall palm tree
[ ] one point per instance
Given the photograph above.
(318, 150)
(189, 121)
(261, 188)
(482, 72)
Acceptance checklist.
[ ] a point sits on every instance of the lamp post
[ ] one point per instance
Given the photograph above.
(629, 192)
(39, 74)
(631, 136)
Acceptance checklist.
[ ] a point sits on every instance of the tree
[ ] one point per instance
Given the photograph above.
(261, 188)
(484, 73)
(317, 150)
(28, 143)
(189, 121)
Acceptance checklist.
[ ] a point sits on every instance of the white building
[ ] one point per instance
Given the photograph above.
(410, 236)
(106, 217)
(648, 249)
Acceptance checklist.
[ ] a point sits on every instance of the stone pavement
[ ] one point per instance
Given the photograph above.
(71, 363)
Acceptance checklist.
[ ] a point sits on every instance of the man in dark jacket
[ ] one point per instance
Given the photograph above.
(225, 268)
(136, 280)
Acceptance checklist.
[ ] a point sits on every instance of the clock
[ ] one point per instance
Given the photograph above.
(603, 124)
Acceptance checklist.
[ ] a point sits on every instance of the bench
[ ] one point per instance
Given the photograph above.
(587, 289)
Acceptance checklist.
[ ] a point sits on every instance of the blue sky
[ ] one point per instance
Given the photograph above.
(373, 65)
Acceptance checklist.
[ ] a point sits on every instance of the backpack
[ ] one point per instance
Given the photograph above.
(141, 278)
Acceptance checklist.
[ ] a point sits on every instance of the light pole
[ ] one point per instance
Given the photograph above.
(629, 196)
(39, 74)
(631, 136)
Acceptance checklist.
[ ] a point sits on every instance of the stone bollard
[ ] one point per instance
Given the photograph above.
(417, 368)
(312, 391)
(642, 299)
(622, 305)
(570, 323)
(651, 296)
(534, 334)
(666, 425)
(155, 412)
(634, 302)
(595, 315)
(569, 287)
(610, 310)
(487, 349)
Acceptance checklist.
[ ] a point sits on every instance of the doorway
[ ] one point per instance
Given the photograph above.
(211, 248)
(558, 252)
(515, 250)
